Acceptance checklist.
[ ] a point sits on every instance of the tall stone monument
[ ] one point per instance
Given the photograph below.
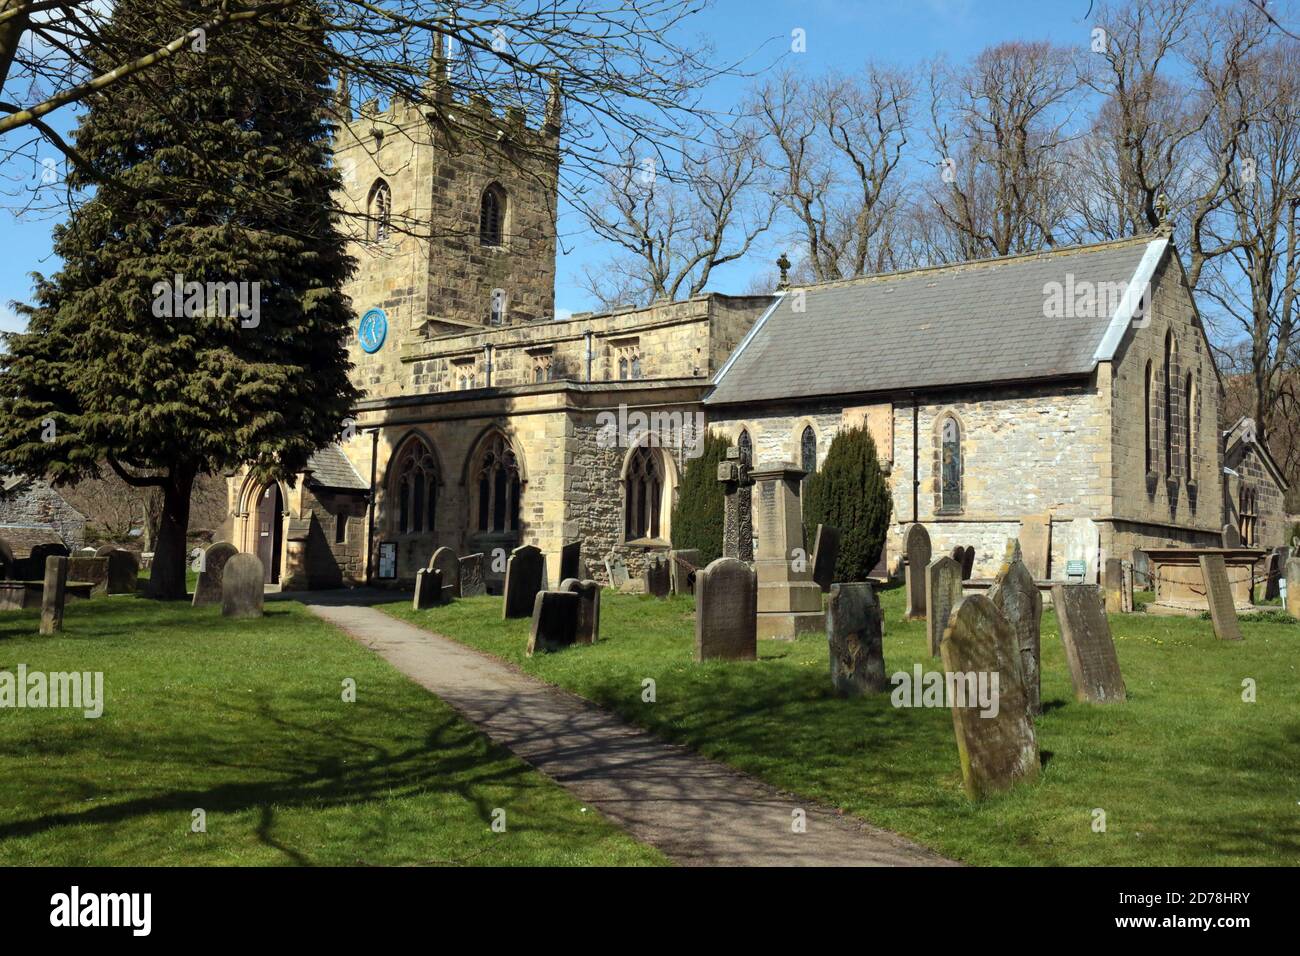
(737, 520)
(789, 600)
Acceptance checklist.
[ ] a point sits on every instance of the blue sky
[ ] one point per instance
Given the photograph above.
(841, 34)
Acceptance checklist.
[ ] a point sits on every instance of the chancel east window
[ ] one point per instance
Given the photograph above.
(417, 489)
(645, 485)
(950, 465)
(498, 488)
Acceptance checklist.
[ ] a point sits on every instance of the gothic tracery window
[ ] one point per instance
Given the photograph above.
(416, 488)
(644, 501)
(498, 487)
(950, 458)
(379, 211)
(808, 451)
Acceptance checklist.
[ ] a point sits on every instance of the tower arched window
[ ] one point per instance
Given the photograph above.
(643, 506)
(498, 487)
(950, 465)
(416, 487)
(492, 216)
(379, 211)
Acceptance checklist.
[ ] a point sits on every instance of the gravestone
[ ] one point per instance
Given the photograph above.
(726, 612)
(36, 558)
(444, 560)
(242, 586)
(123, 571)
(1114, 585)
(916, 546)
(1218, 595)
(6, 560)
(1293, 587)
(1083, 543)
(657, 578)
(853, 633)
(957, 554)
(682, 566)
(523, 581)
(789, 601)
(942, 592)
(618, 576)
(428, 589)
(90, 570)
(737, 504)
(826, 551)
(1231, 536)
(1089, 648)
(211, 574)
(1272, 576)
(1036, 544)
(588, 608)
(1126, 600)
(997, 750)
(571, 560)
(54, 594)
(967, 562)
(1015, 594)
(1141, 570)
(470, 574)
(555, 621)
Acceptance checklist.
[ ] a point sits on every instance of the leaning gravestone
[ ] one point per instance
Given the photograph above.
(588, 608)
(428, 589)
(1114, 584)
(242, 587)
(555, 621)
(470, 574)
(1231, 536)
(1218, 594)
(682, 566)
(726, 612)
(123, 571)
(54, 594)
(1293, 587)
(658, 581)
(571, 560)
(853, 631)
(967, 562)
(942, 592)
(211, 575)
(523, 581)
(1089, 648)
(445, 561)
(826, 551)
(916, 545)
(618, 576)
(1015, 594)
(997, 750)
(1273, 576)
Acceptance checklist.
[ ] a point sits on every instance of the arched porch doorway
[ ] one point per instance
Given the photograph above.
(270, 531)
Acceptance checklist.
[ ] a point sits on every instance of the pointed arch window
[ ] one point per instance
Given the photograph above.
(644, 501)
(492, 216)
(808, 451)
(416, 488)
(1169, 404)
(950, 465)
(379, 211)
(1148, 412)
(1189, 428)
(745, 444)
(498, 487)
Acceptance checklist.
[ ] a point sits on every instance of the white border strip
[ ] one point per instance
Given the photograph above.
(1140, 282)
(749, 337)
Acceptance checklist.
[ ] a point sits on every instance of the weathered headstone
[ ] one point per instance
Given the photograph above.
(1293, 587)
(1015, 594)
(211, 574)
(737, 502)
(555, 621)
(1036, 542)
(995, 738)
(1272, 576)
(657, 578)
(445, 561)
(1231, 536)
(726, 612)
(826, 551)
(942, 592)
(618, 576)
(789, 601)
(1114, 586)
(588, 608)
(428, 589)
(967, 562)
(916, 546)
(853, 631)
(1083, 543)
(1126, 600)
(1141, 570)
(1089, 648)
(958, 553)
(54, 594)
(682, 566)
(242, 586)
(571, 560)
(90, 570)
(471, 575)
(123, 571)
(523, 581)
(1218, 594)
(36, 558)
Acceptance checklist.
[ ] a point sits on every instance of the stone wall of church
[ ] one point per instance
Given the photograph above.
(1271, 527)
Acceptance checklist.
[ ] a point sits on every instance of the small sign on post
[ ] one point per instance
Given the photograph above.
(1076, 570)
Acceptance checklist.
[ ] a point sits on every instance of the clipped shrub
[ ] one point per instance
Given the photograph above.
(850, 493)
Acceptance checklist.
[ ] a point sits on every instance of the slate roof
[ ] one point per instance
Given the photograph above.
(973, 323)
(330, 468)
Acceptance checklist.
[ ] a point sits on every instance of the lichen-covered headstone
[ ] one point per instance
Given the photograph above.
(995, 734)
(1089, 647)
(212, 573)
(588, 608)
(942, 592)
(916, 546)
(1015, 594)
(523, 581)
(242, 585)
(1231, 536)
(471, 575)
(826, 551)
(726, 612)
(853, 633)
(1218, 594)
(555, 621)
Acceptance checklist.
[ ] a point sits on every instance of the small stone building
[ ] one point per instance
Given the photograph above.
(1254, 489)
(33, 512)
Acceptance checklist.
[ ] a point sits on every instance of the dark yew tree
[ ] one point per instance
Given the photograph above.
(850, 493)
(216, 177)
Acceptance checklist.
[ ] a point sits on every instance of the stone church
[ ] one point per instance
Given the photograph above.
(1072, 383)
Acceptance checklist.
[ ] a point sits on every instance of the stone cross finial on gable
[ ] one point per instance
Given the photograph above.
(784, 265)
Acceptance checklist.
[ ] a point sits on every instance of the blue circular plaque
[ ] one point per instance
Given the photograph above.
(373, 330)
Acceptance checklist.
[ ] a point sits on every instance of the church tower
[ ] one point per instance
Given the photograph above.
(452, 222)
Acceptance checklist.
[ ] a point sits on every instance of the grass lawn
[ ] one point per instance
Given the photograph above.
(1186, 772)
(246, 721)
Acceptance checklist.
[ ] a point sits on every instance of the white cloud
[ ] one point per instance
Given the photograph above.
(9, 320)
